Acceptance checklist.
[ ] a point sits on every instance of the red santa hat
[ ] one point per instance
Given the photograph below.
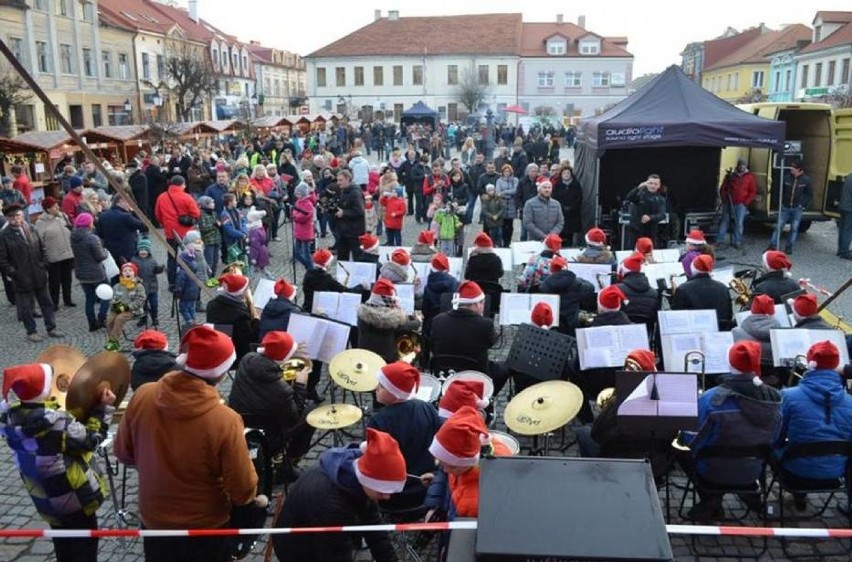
(278, 346)
(383, 288)
(151, 339)
(804, 306)
(368, 242)
(233, 283)
(401, 257)
(644, 245)
(482, 240)
(440, 263)
(696, 238)
(774, 260)
(823, 355)
(381, 467)
(462, 393)
(400, 379)
(702, 264)
(596, 237)
(322, 258)
(553, 242)
(558, 263)
(426, 237)
(469, 293)
(611, 298)
(132, 267)
(208, 353)
(744, 358)
(763, 304)
(284, 289)
(460, 439)
(634, 263)
(542, 315)
(31, 382)
(644, 358)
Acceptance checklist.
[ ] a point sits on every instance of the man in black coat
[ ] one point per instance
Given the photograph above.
(704, 292)
(138, 183)
(647, 209)
(568, 192)
(23, 260)
(490, 175)
(350, 216)
(229, 308)
(157, 183)
(119, 228)
(519, 160)
(406, 178)
(276, 313)
(179, 164)
(574, 294)
(776, 281)
(644, 301)
(484, 266)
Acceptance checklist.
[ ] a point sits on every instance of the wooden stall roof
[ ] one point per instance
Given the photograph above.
(299, 119)
(272, 121)
(10, 146)
(117, 133)
(47, 140)
(190, 128)
(226, 126)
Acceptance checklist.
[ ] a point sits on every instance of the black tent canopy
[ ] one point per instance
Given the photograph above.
(419, 113)
(673, 127)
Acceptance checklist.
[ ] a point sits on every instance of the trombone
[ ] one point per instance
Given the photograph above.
(798, 367)
(696, 358)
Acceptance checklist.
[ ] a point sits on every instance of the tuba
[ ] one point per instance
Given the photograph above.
(292, 366)
(743, 292)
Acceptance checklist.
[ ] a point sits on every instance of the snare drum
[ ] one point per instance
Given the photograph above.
(430, 388)
(510, 442)
(472, 376)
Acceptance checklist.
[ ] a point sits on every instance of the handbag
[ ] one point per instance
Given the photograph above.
(183, 220)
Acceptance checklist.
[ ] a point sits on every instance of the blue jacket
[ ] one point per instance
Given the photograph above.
(818, 409)
(438, 283)
(217, 192)
(185, 289)
(119, 230)
(276, 315)
(234, 226)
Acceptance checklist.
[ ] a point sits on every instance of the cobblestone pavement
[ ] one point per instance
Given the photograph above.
(814, 258)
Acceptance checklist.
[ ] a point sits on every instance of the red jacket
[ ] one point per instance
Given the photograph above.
(395, 209)
(167, 213)
(742, 189)
(70, 202)
(430, 184)
(22, 183)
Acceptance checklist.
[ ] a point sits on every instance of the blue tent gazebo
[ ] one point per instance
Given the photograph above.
(420, 113)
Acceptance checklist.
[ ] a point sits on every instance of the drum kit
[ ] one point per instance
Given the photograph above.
(542, 409)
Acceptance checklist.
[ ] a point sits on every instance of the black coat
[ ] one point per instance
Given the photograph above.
(437, 284)
(139, 187)
(413, 424)
(775, 284)
(704, 292)
(379, 326)
(527, 189)
(119, 230)
(157, 184)
(571, 199)
(351, 224)
(483, 266)
(464, 333)
(23, 260)
(89, 254)
(276, 315)
(235, 313)
(645, 203)
(484, 179)
(150, 365)
(318, 279)
(574, 294)
(644, 300)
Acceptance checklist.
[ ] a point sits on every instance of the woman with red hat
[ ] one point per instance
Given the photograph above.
(483, 266)
(128, 301)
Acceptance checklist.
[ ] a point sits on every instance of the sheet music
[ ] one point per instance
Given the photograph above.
(263, 293)
(687, 321)
(788, 343)
(335, 340)
(590, 272)
(714, 346)
(665, 255)
(639, 402)
(405, 292)
(386, 251)
(665, 270)
(677, 397)
(723, 275)
(307, 330)
(424, 393)
(423, 270)
(607, 346)
(515, 308)
(359, 272)
(570, 254)
(523, 251)
(338, 306)
(780, 315)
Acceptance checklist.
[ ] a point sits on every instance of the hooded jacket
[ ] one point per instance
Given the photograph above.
(483, 265)
(644, 300)
(394, 272)
(776, 284)
(574, 293)
(437, 284)
(379, 326)
(329, 495)
(192, 459)
(150, 365)
(276, 315)
(756, 327)
(234, 312)
(818, 409)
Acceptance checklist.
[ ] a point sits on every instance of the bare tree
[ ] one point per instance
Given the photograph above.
(840, 98)
(469, 91)
(190, 74)
(756, 95)
(13, 92)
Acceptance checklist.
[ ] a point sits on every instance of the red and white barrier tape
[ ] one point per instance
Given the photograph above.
(408, 527)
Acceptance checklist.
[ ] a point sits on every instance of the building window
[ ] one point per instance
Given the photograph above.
(277, 84)
(340, 76)
(417, 75)
(107, 58)
(397, 112)
(788, 80)
(818, 75)
(776, 82)
(452, 111)
(545, 79)
(757, 79)
(600, 79)
(225, 59)
(88, 14)
(502, 74)
(556, 48)
(117, 116)
(483, 74)
(616, 79)
(214, 55)
(737, 81)
(829, 75)
(97, 117)
(245, 64)
(88, 67)
(236, 61)
(844, 72)
(65, 59)
(590, 48)
(42, 57)
(161, 67)
(146, 66)
(378, 76)
(40, 5)
(321, 77)
(16, 45)
(123, 68)
(359, 75)
(397, 75)
(62, 8)
(452, 75)
(804, 76)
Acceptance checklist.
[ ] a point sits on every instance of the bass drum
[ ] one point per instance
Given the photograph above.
(251, 516)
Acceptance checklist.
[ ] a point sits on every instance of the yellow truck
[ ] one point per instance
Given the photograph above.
(841, 159)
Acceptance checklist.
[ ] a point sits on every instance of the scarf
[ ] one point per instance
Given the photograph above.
(128, 284)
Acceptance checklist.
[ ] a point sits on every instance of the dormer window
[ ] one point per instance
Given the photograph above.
(590, 47)
(556, 47)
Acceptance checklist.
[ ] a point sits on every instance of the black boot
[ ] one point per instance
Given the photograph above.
(94, 326)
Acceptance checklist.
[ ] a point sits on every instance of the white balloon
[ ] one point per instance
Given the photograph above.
(104, 292)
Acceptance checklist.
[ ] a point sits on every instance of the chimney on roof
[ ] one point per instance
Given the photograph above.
(581, 21)
(193, 10)
(377, 15)
(393, 15)
(559, 18)
(254, 42)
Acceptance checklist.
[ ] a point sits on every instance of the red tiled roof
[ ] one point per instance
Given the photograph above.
(769, 42)
(136, 14)
(480, 34)
(842, 36)
(717, 49)
(535, 34)
(833, 17)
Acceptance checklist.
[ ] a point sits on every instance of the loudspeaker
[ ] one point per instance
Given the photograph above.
(567, 509)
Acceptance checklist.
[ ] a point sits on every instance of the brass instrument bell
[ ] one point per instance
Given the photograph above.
(605, 397)
(291, 367)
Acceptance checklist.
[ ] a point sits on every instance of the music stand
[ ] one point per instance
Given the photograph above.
(660, 419)
(539, 353)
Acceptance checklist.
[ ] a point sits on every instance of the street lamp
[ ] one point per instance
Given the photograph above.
(254, 104)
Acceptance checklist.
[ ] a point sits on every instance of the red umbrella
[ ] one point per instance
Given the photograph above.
(516, 109)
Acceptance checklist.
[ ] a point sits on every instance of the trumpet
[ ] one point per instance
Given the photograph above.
(291, 367)
(346, 274)
(605, 397)
(408, 345)
(743, 292)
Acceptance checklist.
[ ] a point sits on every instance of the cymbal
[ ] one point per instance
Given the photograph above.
(356, 369)
(107, 369)
(543, 407)
(66, 361)
(334, 416)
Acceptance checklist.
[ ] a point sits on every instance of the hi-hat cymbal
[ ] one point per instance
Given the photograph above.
(334, 416)
(356, 369)
(543, 407)
(66, 361)
(107, 369)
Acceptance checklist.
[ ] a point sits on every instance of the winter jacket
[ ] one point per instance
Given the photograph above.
(148, 271)
(413, 424)
(23, 259)
(329, 494)
(459, 193)
(208, 227)
(448, 224)
(70, 202)
(233, 311)
(171, 204)
(686, 261)
(234, 226)
(519, 163)
(644, 301)
(527, 189)
(535, 272)
(433, 185)
(483, 265)
(276, 315)
(55, 456)
(260, 392)
(814, 323)
(217, 193)
(54, 232)
(818, 409)
(542, 217)
(756, 327)
(304, 215)
(741, 188)
(189, 451)
(360, 170)
(595, 254)
(185, 288)
(421, 253)
(395, 210)
(776, 284)
(643, 202)
(138, 183)
(493, 210)
(379, 326)
(463, 333)
(258, 252)
(803, 194)
(351, 224)
(133, 299)
(507, 189)
(704, 292)
(574, 294)
(119, 230)
(150, 365)
(437, 284)
(89, 255)
(570, 197)
(318, 279)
